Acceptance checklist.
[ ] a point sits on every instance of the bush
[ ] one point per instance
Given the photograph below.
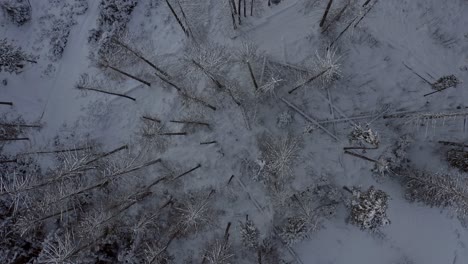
(19, 11)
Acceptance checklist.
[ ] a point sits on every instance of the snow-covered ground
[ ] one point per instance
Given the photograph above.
(386, 54)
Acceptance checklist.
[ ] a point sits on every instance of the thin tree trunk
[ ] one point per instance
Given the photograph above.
(234, 6)
(308, 118)
(6, 103)
(208, 74)
(233, 11)
(366, 3)
(151, 119)
(252, 75)
(138, 55)
(365, 14)
(185, 19)
(208, 142)
(106, 92)
(245, 9)
(107, 154)
(437, 91)
(173, 134)
(187, 172)
(54, 151)
(226, 233)
(239, 13)
(200, 101)
(269, 2)
(177, 18)
(413, 71)
(348, 148)
(20, 125)
(8, 161)
(129, 75)
(361, 156)
(336, 18)
(13, 139)
(251, 7)
(324, 18)
(190, 122)
(164, 79)
(308, 81)
(259, 256)
(342, 32)
(448, 143)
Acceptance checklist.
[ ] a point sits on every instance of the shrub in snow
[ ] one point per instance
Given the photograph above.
(458, 159)
(295, 230)
(364, 135)
(369, 208)
(59, 33)
(13, 59)
(218, 253)
(19, 11)
(284, 119)
(249, 234)
(329, 64)
(446, 82)
(115, 14)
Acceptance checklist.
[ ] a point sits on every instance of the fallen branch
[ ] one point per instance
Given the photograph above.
(190, 122)
(187, 172)
(6, 103)
(151, 119)
(106, 92)
(308, 118)
(324, 17)
(208, 143)
(309, 80)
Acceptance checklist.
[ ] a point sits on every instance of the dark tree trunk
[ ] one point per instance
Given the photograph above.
(239, 13)
(197, 100)
(251, 7)
(185, 19)
(177, 18)
(173, 134)
(20, 125)
(138, 55)
(8, 161)
(232, 7)
(208, 143)
(129, 75)
(106, 92)
(164, 79)
(190, 122)
(187, 172)
(245, 9)
(324, 18)
(151, 119)
(308, 81)
(252, 75)
(13, 139)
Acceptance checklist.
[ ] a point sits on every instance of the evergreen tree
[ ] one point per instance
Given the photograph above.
(13, 59)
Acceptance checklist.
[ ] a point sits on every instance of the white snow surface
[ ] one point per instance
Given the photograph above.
(372, 76)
